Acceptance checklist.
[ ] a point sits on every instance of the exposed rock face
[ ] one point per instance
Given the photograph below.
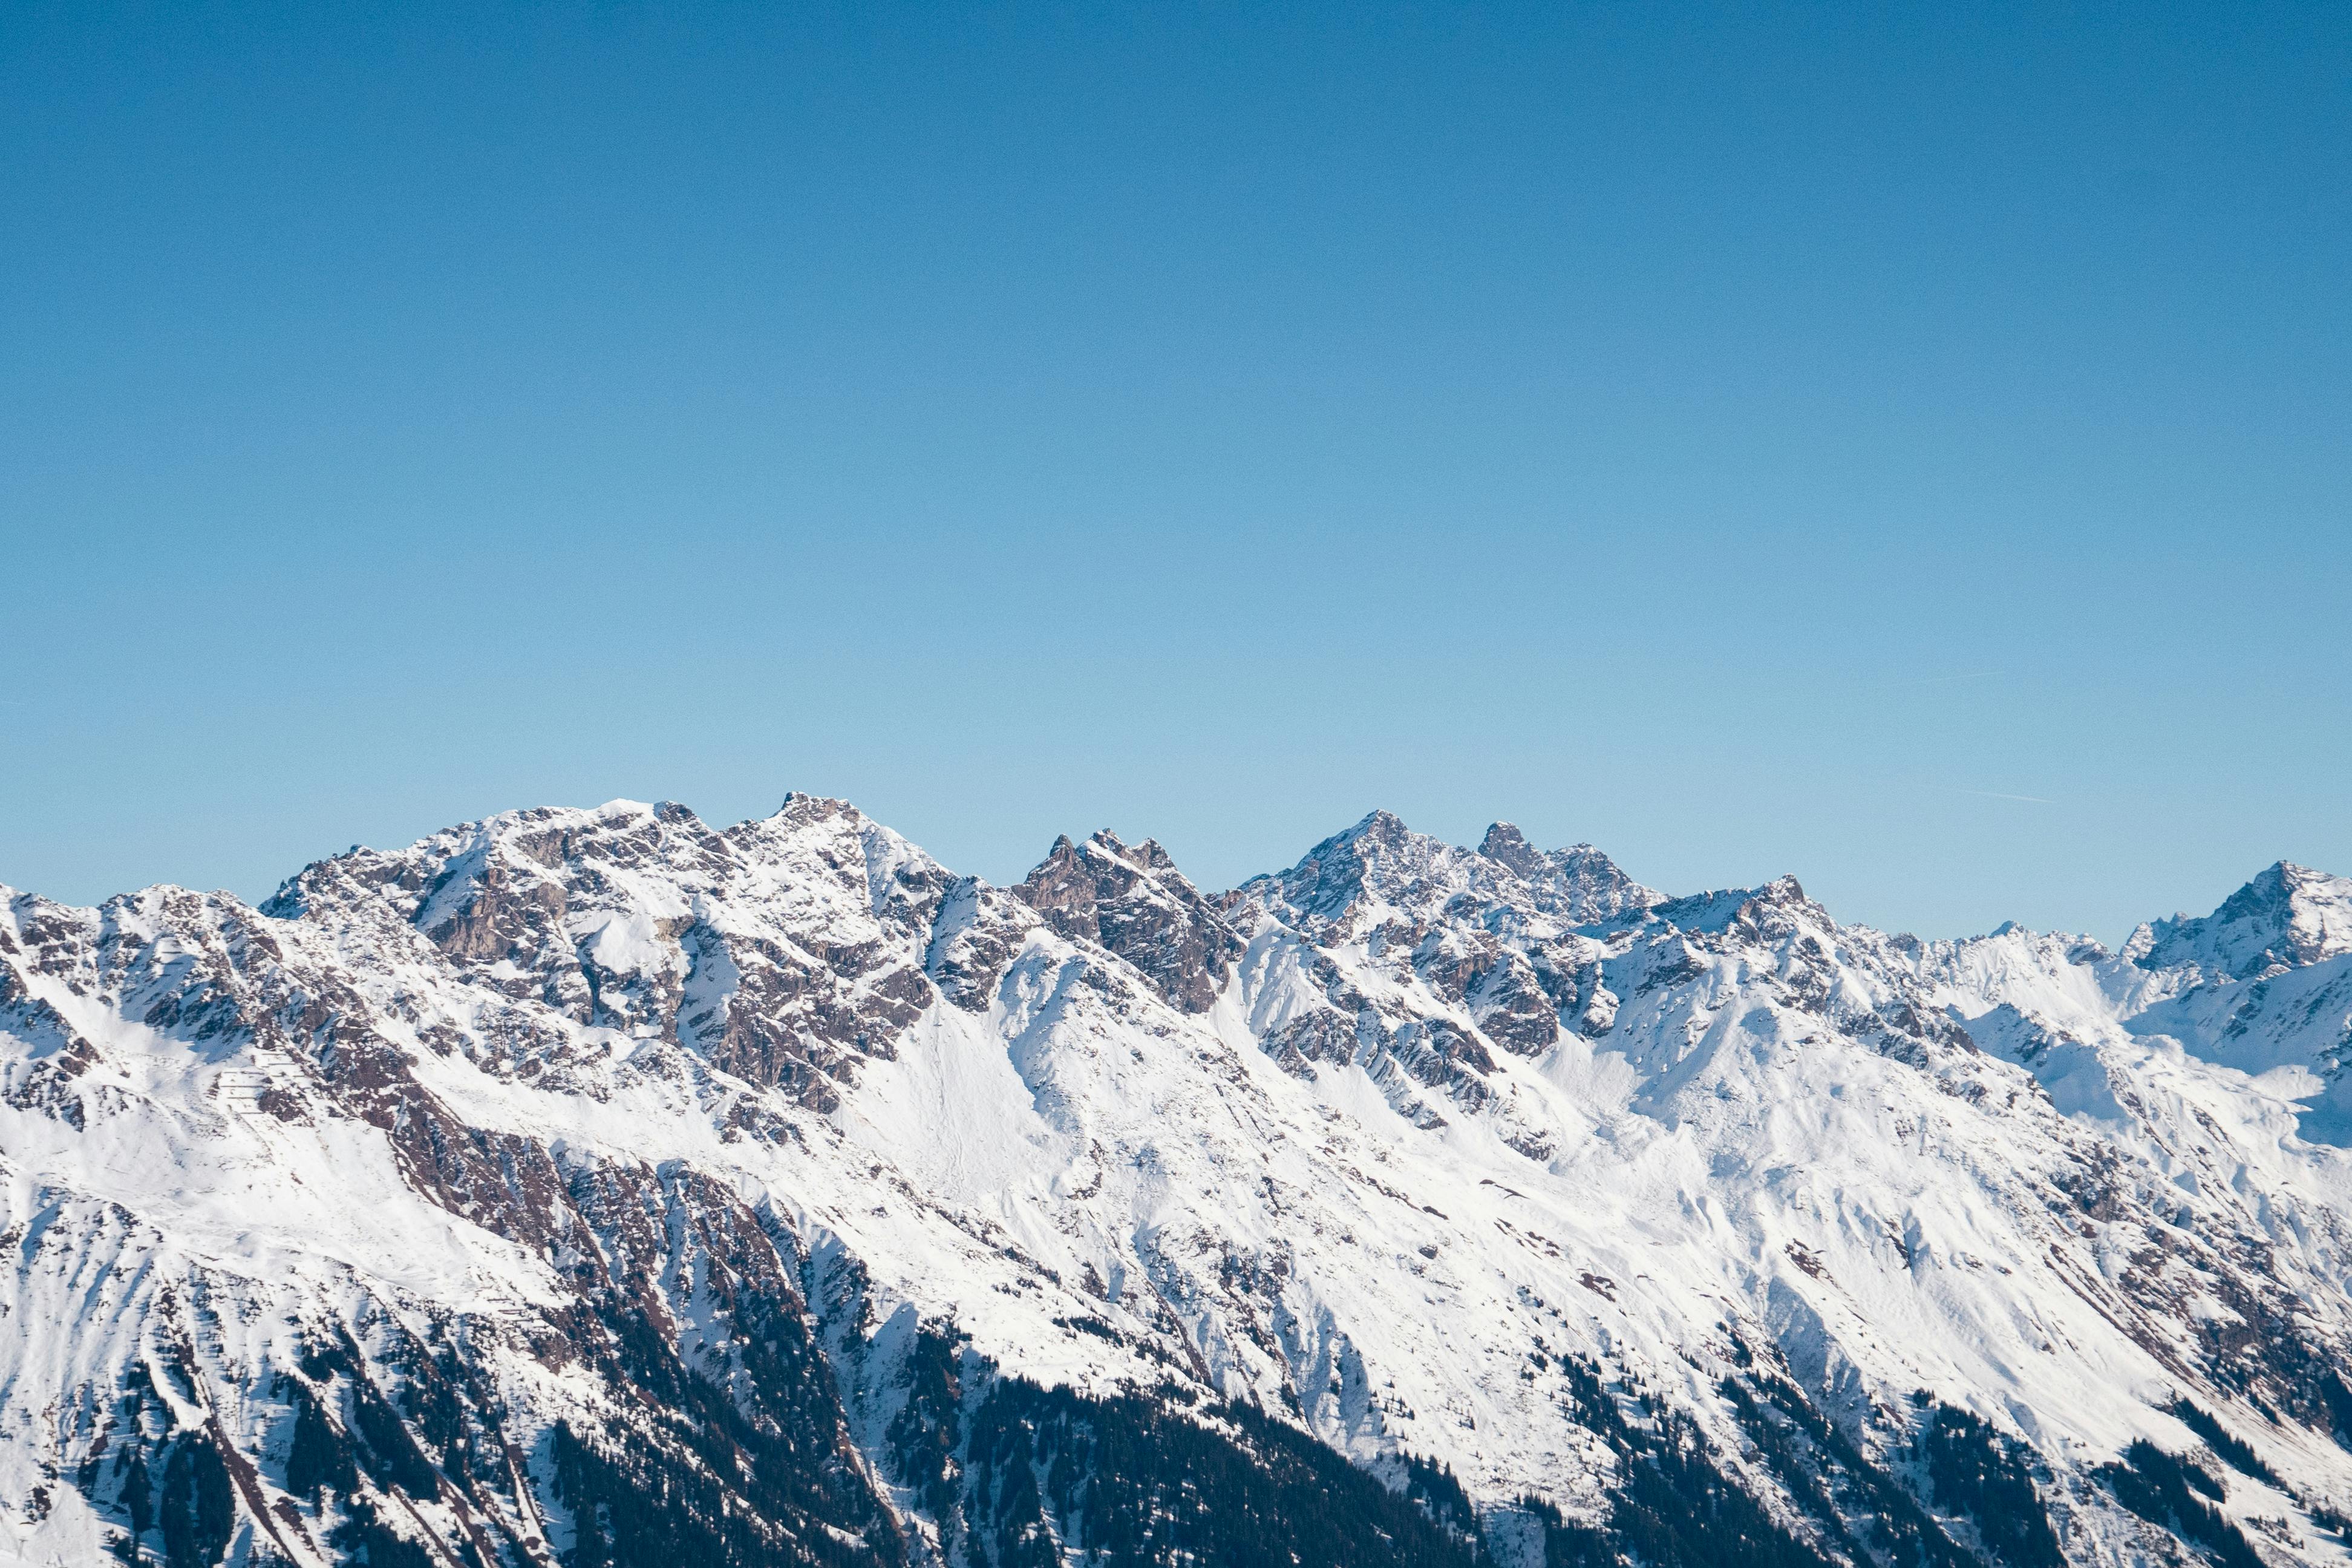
(601, 1187)
(1578, 884)
(1134, 903)
(783, 951)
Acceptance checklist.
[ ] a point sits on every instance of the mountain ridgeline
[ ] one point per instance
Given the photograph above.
(601, 1187)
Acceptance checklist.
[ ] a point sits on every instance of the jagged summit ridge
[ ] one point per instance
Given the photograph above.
(2287, 917)
(1578, 883)
(602, 1187)
(1379, 863)
(1135, 903)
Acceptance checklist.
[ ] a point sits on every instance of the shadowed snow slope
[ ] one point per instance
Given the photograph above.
(599, 1186)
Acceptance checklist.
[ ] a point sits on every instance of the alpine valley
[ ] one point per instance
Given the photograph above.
(600, 1187)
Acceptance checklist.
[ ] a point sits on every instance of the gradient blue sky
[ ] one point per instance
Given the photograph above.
(1906, 445)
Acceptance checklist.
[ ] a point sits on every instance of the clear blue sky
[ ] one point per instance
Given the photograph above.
(1755, 439)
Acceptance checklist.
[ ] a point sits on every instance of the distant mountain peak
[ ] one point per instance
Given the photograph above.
(1506, 845)
(1132, 901)
(1381, 860)
(1380, 828)
(2287, 917)
(1577, 882)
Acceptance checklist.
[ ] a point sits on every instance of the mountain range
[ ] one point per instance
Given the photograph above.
(603, 1187)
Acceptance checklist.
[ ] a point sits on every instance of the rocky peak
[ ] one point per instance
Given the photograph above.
(1133, 902)
(1506, 845)
(444, 872)
(1578, 884)
(2287, 917)
(1379, 830)
(1779, 910)
(898, 886)
(785, 949)
(1379, 862)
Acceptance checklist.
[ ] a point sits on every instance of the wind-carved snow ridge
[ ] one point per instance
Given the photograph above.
(599, 1186)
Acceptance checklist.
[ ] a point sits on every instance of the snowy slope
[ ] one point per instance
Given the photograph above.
(602, 1187)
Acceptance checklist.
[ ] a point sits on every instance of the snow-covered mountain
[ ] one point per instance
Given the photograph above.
(601, 1187)
(2288, 917)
